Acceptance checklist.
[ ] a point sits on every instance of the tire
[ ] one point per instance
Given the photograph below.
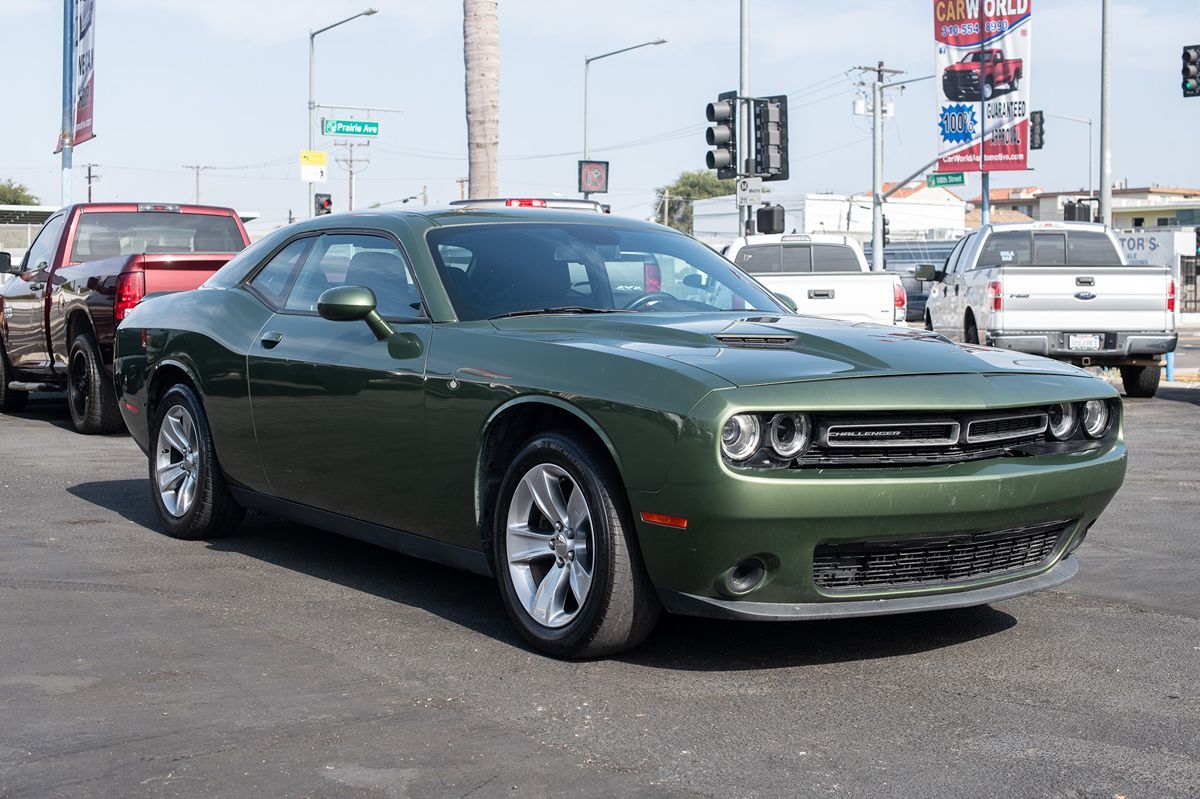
(987, 90)
(618, 607)
(90, 394)
(1141, 381)
(928, 322)
(207, 510)
(970, 331)
(10, 401)
(1016, 83)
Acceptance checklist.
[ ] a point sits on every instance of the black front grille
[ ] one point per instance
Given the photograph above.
(913, 562)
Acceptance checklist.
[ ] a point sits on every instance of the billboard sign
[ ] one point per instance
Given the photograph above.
(983, 50)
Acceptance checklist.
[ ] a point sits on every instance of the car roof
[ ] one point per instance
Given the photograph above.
(465, 215)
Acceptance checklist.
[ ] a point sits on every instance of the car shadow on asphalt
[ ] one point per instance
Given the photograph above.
(473, 602)
(48, 408)
(1188, 396)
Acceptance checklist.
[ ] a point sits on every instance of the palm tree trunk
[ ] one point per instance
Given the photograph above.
(481, 54)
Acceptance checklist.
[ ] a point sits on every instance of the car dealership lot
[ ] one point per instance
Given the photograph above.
(290, 662)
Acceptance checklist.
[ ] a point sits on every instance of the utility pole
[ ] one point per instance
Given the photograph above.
(462, 188)
(352, 166)
(90, 179)
(743, 132)
(424, 195)
(197, 168)
(877, 162)
(1106, 112)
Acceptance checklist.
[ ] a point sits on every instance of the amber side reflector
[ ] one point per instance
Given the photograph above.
(665, 520)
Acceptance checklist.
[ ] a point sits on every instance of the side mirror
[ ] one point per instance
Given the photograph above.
(929, 272)
(694, 281)
(6, 263)
(353, 304)
(786, 300)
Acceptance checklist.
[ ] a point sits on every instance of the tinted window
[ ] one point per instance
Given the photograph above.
(796, 258)
(357, 260)
(1006, 248)
(41, 252)
(834, 258)
(532, 266)
(955, 256)
(1091, 248)
(272, 280)
(106, 235)
(1049, 248)
(759, 258)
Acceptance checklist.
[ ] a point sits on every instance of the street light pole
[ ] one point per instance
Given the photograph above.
(1106, 112)
(312, 81)
(1091, 148)
(587, 64)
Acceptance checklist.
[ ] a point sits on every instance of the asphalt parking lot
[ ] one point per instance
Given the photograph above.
(289, 662)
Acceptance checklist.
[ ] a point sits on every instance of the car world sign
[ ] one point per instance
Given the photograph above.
(982, 69)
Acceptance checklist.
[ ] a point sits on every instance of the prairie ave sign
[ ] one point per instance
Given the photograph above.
(945, 179)
(349, 127)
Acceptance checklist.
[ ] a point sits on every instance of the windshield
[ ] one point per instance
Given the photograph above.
(111, 233)
(492, 270)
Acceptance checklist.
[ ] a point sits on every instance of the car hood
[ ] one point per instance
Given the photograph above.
(962, 68)
(760, 349)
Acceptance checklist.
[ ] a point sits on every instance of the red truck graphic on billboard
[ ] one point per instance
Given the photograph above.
(983, 54)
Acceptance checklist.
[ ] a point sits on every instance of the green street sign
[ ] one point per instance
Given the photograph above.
(349, 127)
(945, 179)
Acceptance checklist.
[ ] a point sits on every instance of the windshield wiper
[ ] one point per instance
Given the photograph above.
(560, 309)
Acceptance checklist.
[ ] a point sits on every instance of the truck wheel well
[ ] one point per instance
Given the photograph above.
(78, 322)
(164, 377)
(505, 436)
(968, 323)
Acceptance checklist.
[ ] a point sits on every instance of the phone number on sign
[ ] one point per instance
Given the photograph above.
(967, 28)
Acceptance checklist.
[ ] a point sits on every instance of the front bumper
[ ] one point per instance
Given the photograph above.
(785, 517)
(1116, 346)
(692, 605)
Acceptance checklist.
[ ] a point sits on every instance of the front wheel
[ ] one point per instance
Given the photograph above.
(185, 479)
(1141, 381)
(11, 401)
(90, 394)
(988, 90)
(571, 575)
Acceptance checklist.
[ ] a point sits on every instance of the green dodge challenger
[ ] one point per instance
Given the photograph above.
(611, 419)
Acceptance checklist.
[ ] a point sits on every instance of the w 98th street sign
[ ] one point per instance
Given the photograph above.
(593, 177)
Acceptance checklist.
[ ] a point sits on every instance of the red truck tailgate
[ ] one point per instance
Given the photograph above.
(180, 272)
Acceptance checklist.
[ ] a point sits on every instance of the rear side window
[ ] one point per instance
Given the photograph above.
(274, 279)
(834, 258)
(759, 258)
(109, 234)
(1093, 249)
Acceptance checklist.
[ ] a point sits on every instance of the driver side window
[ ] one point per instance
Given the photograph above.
(41, 252)
(357, 260)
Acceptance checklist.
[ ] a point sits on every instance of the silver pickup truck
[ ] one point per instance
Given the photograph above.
(1059, 289)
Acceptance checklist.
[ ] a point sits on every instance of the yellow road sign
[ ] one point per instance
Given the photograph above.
(314, 158)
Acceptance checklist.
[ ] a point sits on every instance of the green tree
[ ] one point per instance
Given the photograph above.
(698, 185)
(15, 194)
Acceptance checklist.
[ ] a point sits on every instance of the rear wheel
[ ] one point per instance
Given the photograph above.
(10, 401)
(928, 321)
(90, 394)
(185, 479)
(970, 331)
(1141, 381)
(566, 556)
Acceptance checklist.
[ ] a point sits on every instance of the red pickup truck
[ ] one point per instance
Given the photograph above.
(89, 265)
(961, 81)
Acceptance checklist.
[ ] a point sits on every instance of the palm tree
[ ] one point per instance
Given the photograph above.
(481, 55)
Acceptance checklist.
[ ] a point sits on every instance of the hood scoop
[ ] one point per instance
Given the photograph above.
(758, 342)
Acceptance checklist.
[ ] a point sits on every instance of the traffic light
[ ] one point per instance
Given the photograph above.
(770, 137)
(722, 135)
(322, 204)
(1191, 70)
(887, 232)
(1037, 130)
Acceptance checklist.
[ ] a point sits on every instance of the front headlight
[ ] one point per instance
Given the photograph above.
(1062, 420)
(1095, 418)
(788, 434)
(741, 436)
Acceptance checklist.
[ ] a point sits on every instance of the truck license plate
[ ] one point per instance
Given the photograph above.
(1090, 341)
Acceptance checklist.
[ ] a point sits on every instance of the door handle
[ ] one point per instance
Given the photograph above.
(956, 289)
(1085, 281)
(37, 287)
(269, 340)
(820, 294)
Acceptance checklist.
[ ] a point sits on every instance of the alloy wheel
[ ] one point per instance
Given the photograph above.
(79, 383)
(177, 461)
(550, 544)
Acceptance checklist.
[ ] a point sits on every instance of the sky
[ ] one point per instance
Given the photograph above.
(223, 83)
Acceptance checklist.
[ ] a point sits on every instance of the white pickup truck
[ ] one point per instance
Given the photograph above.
(1059, 289)
(823, 274)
